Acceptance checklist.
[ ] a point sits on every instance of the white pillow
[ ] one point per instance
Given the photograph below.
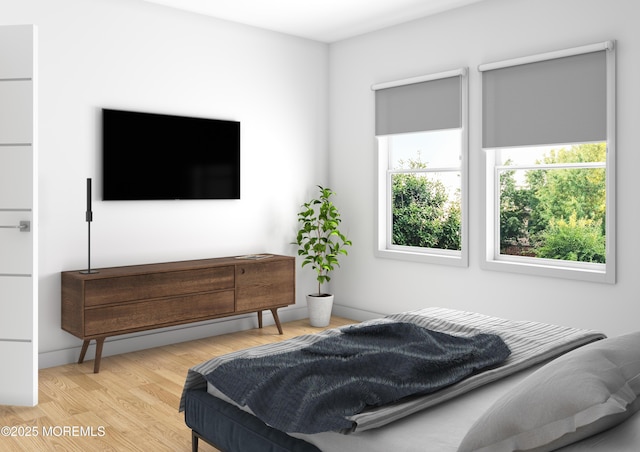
(577, 395)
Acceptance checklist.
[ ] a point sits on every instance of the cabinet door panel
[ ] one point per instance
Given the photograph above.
(19, 378)
(264, 285)
(16, 191)
(14, 313)
(16, 51)
(16, 247)
(16, 112)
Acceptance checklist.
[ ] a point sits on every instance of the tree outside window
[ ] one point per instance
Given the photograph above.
(555, 207)
(424, 178)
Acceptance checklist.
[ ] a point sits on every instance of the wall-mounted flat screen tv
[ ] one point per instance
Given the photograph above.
(149, 156)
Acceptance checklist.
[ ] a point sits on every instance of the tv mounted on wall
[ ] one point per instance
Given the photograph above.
(149, 156)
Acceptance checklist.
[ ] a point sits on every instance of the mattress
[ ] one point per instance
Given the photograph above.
(440, 421)
(436, 429)
(530, 343)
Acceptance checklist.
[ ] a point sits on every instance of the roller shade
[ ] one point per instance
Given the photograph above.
(554, 101)
(421, 106)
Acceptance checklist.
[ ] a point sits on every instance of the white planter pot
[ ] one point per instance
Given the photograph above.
(319, 309)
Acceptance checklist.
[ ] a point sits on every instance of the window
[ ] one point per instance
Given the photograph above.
(422, 148)
(548, 123)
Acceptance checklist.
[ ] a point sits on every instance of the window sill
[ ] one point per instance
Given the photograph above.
(456, 259)
(597, 273)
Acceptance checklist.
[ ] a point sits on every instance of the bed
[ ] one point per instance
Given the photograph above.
(530, 386)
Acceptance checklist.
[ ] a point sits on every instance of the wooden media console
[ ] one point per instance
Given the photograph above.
(120, 300)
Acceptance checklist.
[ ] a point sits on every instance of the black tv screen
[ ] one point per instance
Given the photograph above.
(149, 156)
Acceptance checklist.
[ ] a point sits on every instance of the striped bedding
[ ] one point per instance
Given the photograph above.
(530, 343)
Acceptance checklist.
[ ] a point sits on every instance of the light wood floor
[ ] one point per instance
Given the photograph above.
(131, 405)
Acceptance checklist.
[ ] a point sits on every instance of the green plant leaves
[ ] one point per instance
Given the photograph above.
(319, 238)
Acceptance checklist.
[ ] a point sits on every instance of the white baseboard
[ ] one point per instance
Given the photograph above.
(165, 336)
(354, 314)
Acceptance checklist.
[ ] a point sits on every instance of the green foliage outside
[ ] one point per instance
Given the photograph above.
(557, 213)
(554, 214)
(423, 214)
(576, 240)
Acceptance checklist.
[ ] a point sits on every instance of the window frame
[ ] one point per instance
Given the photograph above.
(492, 259)
(383, 234)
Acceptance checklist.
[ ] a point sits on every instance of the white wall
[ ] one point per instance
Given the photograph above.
(488, 31)
(135, 55)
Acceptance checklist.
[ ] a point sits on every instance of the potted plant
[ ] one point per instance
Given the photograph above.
(320, 241)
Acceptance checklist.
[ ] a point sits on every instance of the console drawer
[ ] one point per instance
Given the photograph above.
(156, 285)
(157, 313)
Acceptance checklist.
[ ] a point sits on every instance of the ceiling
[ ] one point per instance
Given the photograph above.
(320, 20)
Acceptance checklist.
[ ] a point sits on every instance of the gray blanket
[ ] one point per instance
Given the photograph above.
(530, 343)
(316, 388)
